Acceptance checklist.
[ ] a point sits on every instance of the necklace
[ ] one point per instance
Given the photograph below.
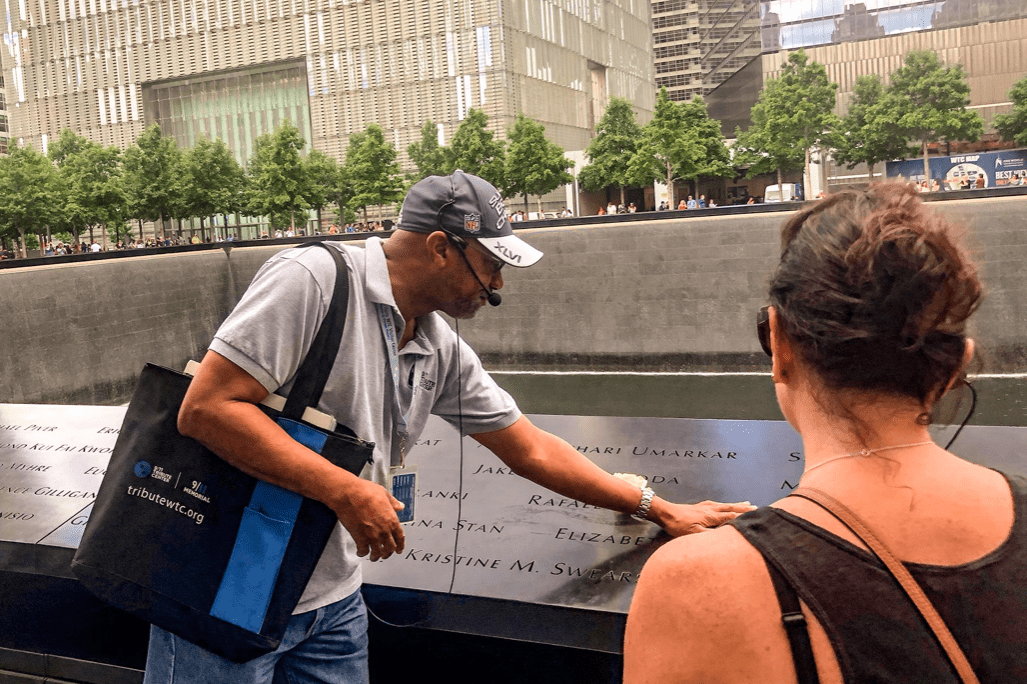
(866, 452)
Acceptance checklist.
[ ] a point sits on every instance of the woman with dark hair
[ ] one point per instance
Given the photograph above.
(867, 330)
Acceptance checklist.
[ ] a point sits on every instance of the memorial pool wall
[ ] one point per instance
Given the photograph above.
(659, 295)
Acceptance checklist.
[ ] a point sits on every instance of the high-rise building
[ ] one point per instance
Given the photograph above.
(698, 44)
(236, 68)
(5, 135)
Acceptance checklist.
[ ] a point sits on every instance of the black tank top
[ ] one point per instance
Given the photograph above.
(877, 633)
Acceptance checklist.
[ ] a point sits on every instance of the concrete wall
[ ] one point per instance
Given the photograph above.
(667, 295)
(682, 295)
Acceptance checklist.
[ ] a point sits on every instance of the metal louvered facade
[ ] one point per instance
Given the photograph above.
(107, 68)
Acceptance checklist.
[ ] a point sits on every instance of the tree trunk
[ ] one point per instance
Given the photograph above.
(871, 169)
(292, 219)
(623, 203)
(807, 179)
(780, 186)
(927, 167)
(24, 251)
(540, 214)
(141, 230)
(670, 187)
(202, 233)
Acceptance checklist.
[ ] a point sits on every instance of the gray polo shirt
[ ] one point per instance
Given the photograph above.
(268, 335)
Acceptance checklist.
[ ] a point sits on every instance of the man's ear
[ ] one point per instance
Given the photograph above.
(783, 353)
(439, 248)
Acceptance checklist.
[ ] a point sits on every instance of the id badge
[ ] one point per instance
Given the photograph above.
(404, 488)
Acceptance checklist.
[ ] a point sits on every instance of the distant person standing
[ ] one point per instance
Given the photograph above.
(691, 203)
(682, 205)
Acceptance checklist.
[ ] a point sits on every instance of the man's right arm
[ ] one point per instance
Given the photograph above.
(220, 411)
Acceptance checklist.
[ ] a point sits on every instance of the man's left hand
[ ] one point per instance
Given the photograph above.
(681, 519)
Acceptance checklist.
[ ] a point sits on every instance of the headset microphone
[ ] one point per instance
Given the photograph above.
(494, 298)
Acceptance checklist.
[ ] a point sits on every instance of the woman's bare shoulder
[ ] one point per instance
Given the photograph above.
(704, 563)
(700, 612)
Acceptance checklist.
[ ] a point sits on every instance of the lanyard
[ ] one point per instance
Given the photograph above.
(388, 323)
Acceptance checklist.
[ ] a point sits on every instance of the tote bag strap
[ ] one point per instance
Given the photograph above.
(317, 366)
(898, 570)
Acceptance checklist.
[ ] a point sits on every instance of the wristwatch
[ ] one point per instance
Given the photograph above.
(642, 512)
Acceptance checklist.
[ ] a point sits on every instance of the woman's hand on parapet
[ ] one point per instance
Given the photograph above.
(682, 519)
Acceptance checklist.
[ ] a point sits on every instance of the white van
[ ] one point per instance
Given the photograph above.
(792, 193)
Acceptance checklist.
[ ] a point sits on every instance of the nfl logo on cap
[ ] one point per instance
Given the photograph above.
(472, 223)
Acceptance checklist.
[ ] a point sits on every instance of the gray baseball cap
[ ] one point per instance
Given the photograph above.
(469, 207)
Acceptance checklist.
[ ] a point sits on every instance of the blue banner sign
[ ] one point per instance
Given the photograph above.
(962, 171)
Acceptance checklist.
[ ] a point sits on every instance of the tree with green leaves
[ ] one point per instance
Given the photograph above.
(373, 171)
(214, 180)
(68, 143)
(427, 154)
(669, 149)
(792, 117)
(343, 191)
(927, 102)
(322, 181)
(1013, 125)
(716, 160)
(757, 149)
(27, 193)
(474, 150)
(795, 112)
(155, 178)
(610, 151)
(534, 165)
(277, 178)
(867, 135)
(97, 194)
(68, 214)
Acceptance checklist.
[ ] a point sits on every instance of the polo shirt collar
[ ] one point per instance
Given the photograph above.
(379, 291)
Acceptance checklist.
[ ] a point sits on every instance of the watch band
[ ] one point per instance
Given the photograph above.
(642, 512)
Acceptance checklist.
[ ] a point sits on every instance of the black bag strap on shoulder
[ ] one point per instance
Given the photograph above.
(795, 626)
(317, 366)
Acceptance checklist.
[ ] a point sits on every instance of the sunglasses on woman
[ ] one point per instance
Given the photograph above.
(763, 328)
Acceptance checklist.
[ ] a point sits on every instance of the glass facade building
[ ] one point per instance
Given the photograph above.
(791, 24)
(106, 68)
(236, 107)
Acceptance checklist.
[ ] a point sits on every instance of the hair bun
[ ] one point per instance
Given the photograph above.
(876, 291)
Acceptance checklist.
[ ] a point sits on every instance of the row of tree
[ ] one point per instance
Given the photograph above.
(81, 185)
(792, 121)
(924, 103)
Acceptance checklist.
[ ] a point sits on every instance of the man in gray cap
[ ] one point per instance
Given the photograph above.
(399, 362)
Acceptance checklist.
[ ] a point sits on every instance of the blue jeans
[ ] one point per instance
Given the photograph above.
(323, 646)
